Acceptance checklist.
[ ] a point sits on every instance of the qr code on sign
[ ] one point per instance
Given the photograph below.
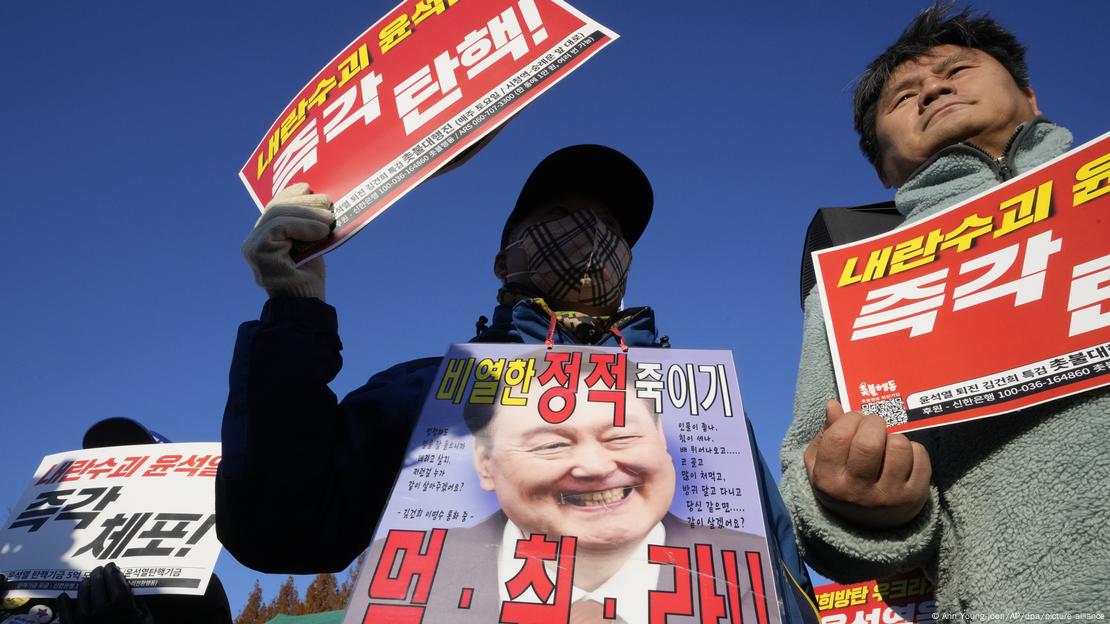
(893, 410)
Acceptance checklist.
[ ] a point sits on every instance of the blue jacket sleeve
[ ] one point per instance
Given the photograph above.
(305, 477)
(792, 577)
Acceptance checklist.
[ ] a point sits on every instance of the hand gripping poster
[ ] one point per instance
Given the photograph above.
(414, 91)
(993, 305)
(150, 509)
(543, 486)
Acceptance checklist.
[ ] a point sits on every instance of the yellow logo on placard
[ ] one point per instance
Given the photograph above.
(14, 603)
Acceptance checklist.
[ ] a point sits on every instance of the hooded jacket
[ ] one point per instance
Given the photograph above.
(319, 517)
(1016, 518)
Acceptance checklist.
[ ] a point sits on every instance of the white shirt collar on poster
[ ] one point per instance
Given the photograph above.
(629, 586)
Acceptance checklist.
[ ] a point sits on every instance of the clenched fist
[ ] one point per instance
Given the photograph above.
(864, 475)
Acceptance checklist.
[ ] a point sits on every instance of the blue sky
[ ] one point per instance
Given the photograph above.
(127, 122)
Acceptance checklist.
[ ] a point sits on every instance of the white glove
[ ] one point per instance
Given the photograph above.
(294, 217)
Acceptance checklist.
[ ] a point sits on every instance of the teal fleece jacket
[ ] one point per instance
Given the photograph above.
(1018, 518)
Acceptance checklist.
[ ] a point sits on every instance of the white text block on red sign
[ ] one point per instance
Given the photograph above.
(424, 83)
(993, 305)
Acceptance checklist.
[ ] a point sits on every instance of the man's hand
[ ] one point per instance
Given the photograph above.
(294, 218)
(105, 597)
(862, 474)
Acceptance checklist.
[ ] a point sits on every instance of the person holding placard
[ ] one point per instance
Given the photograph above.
(564, 260)
(105, 596)
(1006, 514)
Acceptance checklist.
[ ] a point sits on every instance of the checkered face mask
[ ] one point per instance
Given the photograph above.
(576, 258)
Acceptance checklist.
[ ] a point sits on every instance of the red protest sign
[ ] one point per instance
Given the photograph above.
(427, 81)
(993, 305)
(905, 598)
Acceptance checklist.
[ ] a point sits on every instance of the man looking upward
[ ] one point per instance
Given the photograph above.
(1005, 514)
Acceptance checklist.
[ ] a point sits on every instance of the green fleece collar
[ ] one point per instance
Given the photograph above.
(960, 171)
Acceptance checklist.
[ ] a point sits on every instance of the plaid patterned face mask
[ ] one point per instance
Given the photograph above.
(576, 258)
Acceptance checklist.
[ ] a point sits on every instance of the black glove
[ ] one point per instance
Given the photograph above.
(103, 598)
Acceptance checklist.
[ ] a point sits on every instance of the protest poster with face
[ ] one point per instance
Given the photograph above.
(543, 484)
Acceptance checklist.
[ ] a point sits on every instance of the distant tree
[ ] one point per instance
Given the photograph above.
(252, 611)
(324, 593)
(321, 595)
(348, 586)
(286, 602)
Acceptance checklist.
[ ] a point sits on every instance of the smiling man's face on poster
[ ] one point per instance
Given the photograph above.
(583, 477)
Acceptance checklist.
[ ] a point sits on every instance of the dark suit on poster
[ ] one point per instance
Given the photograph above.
(470, 555)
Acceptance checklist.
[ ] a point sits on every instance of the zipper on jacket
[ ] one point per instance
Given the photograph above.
(1001, 169)
(1003, 166)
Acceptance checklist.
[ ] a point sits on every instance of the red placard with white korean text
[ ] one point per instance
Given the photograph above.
(424, 83)
(993, 305)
